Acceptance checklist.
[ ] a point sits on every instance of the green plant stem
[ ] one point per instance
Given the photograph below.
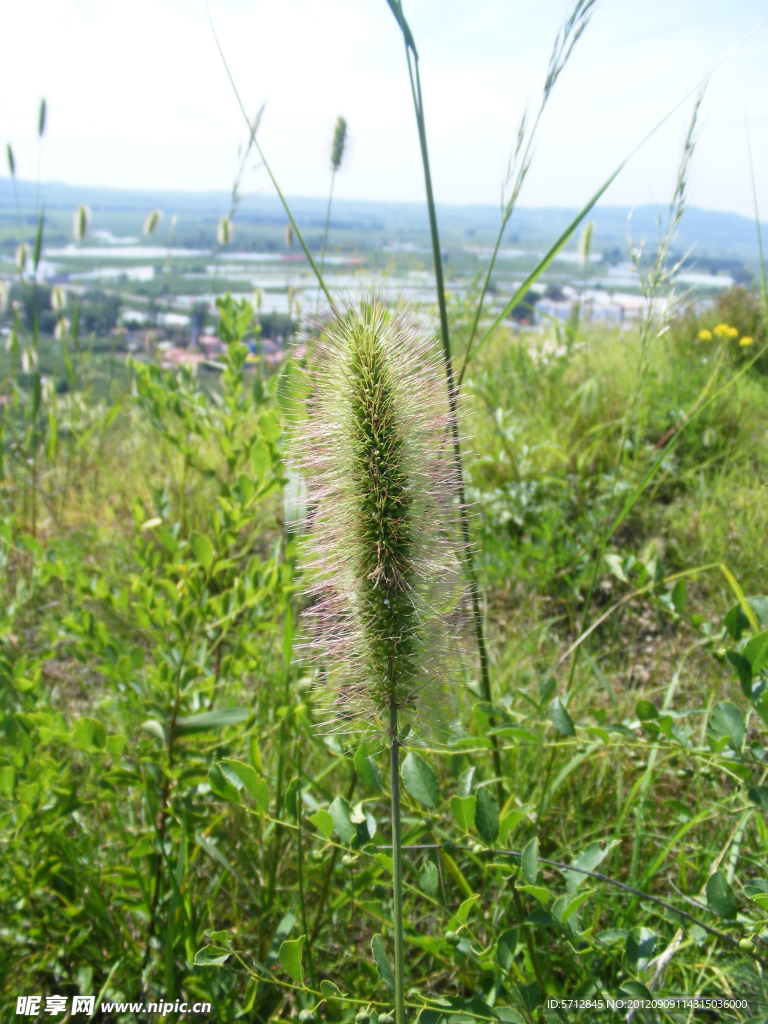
(412, 59)
(397, 864)
(300, 865)
(325, 232)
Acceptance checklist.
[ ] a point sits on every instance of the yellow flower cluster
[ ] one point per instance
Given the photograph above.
(725, 331)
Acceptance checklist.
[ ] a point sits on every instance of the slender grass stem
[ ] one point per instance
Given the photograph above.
(300, 865)
(397, 864)
(325, 232)
(412, 59)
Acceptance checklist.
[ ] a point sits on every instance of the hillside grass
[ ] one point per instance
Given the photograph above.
(147, 580)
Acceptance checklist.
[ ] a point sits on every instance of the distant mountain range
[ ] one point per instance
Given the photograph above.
(712, 234)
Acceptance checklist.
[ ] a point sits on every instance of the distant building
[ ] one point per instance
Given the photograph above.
(210, 345)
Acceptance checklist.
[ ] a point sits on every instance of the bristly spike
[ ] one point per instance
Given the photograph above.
(382, 541)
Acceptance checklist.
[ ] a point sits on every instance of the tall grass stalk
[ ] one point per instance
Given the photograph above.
(382, 550)
(337, 155)
(412, 58)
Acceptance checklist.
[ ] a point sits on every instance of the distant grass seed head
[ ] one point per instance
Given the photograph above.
(21, 257)
(152, 221)
(81, 221)
(339, 141)
(382, 543)
(58, 299)
(224, 231)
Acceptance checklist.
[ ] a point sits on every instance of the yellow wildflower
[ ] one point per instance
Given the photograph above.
(746, 340)
(704, 335)
(726, 331)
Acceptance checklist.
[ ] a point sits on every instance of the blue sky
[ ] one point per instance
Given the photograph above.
(138, 96)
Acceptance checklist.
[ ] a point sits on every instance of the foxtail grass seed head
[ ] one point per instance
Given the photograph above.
(62, 329)
(41, 119)
(224, 231)
(3, 297)
(152, 221)
(289, 236)
(58, 299)
(11, 161)
(21, 257)
(339, 141)
(382, 542)
(81, 222)
(28, 360)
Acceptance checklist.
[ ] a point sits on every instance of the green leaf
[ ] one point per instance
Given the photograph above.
(759, 795)
(679, 596)
(736, 622)
(509, 822)
(210, 956)
(505, 948)
(615, 565)
(756, 652)
(367, 769)
(573, 905)
(340, 813)
(380, 956)
(429, 879)
(589, 859)
(646, 711)
(530, 862)
(221, 786)
(115, 745)
(154, 729)
(487, 815)
(463, 810)
(420, 781)
(720, 896)
(290, 958)
(744, 670)
(202, 550)
(463, 912)
(210, 720)
(7, 777)
(641, 943)
(635, 989)
(465, 782)
(537, 891)
(323, 822)
(88, 734)
(560, 718)
(757, 891)
(245, 775)
(727, 723)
